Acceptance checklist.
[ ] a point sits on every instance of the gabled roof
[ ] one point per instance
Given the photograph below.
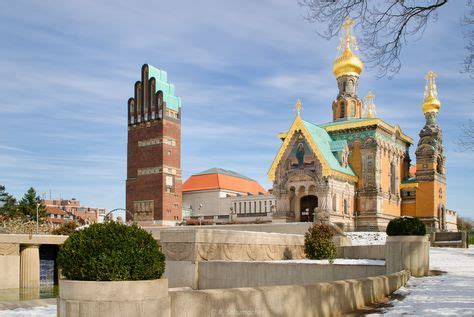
(218, 178)
(325, 144)
(322, 146)
(54, 210)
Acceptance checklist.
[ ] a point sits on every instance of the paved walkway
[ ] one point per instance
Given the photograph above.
(447, 294)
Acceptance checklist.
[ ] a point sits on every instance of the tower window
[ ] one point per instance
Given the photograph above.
(342, 112)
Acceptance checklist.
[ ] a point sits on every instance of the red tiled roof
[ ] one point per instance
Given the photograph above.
(412, 170)
(54, 210)
(221, 181)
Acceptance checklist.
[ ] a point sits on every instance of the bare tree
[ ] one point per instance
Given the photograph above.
(466, 141)
(468, 22)
(385, 26)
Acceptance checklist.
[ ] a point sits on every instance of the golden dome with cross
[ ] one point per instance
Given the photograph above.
(347, 63)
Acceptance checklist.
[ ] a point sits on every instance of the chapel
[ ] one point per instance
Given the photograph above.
(357, 170)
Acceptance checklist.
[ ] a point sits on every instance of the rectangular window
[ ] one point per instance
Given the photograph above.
(250, 207)
(254, 206)
(240, 207)
(265, 203)
(260, 206)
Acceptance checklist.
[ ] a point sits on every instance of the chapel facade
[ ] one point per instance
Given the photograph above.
(356, 170)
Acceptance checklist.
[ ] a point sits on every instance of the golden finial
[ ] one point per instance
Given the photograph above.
(298, 107)
(370, 106)
(431, 102)
(348, 39)
(347, 63)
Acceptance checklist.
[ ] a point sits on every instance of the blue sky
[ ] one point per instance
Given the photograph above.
(67, 69)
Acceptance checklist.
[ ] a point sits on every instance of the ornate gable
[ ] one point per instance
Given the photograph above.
(318, 142)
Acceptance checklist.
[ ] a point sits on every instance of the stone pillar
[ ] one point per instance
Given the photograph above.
(29, 266)
(410, 253)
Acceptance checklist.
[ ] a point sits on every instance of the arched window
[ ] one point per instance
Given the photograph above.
(439, 165)
(393, 178)
(352, 110)
(345, 207)
(342, 111)
(334, 202)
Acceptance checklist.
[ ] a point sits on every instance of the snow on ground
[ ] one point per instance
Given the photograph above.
(367, 238)
(448, 294)
(43, 311)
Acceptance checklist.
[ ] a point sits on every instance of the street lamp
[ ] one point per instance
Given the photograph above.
(37, 217)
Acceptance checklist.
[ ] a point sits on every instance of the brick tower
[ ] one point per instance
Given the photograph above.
(153, 186)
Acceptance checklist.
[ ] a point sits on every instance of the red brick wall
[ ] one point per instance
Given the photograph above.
(166, 205)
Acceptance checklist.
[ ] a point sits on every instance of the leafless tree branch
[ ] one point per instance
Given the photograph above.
(385, 26)
(466, 140)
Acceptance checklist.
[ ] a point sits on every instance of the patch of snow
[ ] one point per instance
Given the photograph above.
(308, 261)
(42, 311)
(367, 238)
(336, 261)
(448, 294)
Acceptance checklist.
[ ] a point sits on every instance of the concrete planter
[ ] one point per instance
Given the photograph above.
(117, 298)
(410, 253)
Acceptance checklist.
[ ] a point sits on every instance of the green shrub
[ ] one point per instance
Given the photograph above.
(65, 229)
(318, 244)
(406, 226)
(111, 252)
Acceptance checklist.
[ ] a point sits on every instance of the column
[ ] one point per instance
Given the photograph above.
(29, 266)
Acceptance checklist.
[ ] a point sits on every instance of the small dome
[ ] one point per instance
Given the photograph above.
(431, 104)
(347, 63)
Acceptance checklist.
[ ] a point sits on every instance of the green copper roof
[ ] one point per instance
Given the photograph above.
(218, 170)
(161, 78)
(324, 143)
(339, 145)
(409, 180)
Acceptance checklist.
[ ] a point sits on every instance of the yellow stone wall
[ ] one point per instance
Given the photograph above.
(409, 208)
(428, 200)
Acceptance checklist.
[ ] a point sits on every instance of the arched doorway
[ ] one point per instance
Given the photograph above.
(307, 205)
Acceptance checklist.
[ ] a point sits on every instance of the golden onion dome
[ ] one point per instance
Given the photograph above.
(431, 102)
(347, 63)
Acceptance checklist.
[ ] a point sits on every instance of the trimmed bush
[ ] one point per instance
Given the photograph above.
(111, 252)
(406, 226)
(65, 229)
(318, 244)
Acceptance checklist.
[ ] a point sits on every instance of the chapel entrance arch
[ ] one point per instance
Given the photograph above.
(307, 205)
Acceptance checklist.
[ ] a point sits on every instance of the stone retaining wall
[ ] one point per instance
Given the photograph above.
(373, 252)
(321, 299)
(222, 274)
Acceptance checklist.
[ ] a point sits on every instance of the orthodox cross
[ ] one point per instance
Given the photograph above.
(369, 100)
(347, 40)
(430, 88)
(298, 107)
